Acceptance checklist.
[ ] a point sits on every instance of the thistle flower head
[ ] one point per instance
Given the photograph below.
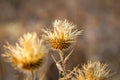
(93, 71)
(62, 35)
(28, 54)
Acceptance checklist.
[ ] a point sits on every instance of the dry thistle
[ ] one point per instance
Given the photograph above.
(61, 37)
(93, 71)
(63, 34)
(28, 54)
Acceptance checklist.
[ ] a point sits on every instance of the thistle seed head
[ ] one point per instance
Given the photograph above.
(28, 54)
(62, 35)
(93, 71)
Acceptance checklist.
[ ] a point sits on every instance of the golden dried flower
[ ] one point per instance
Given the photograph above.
(80, 75)
(63, 34)
(28, 54)
(93, 71)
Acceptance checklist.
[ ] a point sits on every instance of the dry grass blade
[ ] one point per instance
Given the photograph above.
(67, 57)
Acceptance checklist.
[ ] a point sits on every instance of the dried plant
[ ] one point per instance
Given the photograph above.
(61, 37)
(28, 54)
(93, 71)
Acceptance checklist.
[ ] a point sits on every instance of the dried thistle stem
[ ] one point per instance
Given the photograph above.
(62, 62)
(33, 75)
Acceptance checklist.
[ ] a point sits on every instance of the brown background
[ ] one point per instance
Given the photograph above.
(100, 20)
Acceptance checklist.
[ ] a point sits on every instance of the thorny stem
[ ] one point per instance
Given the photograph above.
(57, 64)
(63, 74)
(33, 75)
(61, 64)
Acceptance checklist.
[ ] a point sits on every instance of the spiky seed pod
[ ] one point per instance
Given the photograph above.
(80, 75)
(93, 71)
(62, 35)
(28, 54)
(96, 71)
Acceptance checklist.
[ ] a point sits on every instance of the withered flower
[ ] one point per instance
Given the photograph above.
(93, 71)
(62, 35)
(28, 54)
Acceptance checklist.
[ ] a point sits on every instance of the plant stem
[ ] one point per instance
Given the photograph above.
(62, 64)
(33, 75)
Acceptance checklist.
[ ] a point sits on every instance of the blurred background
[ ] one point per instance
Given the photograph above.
(100, 20)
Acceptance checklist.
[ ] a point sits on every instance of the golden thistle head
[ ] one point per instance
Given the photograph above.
(93, 71)
(28, 54)
(62, 35)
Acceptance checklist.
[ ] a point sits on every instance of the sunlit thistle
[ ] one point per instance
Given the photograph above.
(96, 71)
(62, 35)
(28, 54)
(93, 71)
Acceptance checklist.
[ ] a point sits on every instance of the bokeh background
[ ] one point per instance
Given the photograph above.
(100, 20)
